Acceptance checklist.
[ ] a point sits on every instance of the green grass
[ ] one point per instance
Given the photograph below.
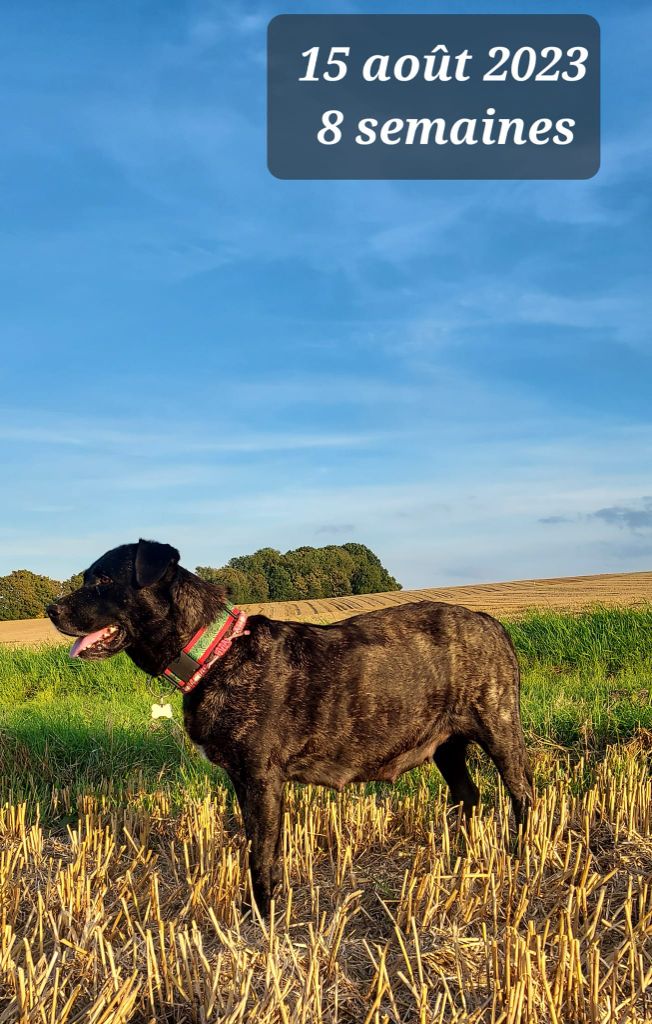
(613, 638)
(586, 679)
(72, 727)
(82, 727)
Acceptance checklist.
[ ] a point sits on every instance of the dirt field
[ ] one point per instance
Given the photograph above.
(568, 593)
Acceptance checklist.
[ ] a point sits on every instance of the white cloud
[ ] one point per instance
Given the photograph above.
(83, 434)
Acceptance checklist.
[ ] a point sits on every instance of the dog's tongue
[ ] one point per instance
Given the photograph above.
(83, 642)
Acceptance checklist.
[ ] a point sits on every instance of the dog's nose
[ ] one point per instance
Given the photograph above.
(52, 611)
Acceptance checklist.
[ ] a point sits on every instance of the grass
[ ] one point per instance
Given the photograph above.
(614, 638)
(586, 678)
(122, 861)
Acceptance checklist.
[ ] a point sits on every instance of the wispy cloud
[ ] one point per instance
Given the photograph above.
(636, 517)
(630, 517)
(82, 435)
(327, 389)
(335, 528)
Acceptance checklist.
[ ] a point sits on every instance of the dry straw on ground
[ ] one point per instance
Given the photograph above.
(386, 913)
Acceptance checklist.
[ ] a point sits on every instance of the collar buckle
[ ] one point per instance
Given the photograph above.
(183, 668)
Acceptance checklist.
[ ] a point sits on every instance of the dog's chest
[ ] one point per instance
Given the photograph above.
(217, 727)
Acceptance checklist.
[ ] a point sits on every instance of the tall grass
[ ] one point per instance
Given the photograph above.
(611, 639)
(587, 678)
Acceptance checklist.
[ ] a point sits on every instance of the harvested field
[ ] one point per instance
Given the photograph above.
(569, 593)
(387, 916)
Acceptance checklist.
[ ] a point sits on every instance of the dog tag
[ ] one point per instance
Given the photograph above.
(161, 711)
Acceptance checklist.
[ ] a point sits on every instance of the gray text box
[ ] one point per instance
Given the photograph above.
(523, 103)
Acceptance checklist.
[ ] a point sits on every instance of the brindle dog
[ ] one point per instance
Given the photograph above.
(366, 698)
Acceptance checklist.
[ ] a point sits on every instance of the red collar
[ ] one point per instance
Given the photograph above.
(207, 645)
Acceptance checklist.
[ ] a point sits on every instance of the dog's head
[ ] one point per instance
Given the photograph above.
(125, 592)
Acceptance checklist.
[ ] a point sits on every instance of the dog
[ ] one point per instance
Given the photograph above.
(363, 699)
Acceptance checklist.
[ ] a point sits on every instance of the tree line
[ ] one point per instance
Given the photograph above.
(266, 575)
(306, 572)
(26, 595)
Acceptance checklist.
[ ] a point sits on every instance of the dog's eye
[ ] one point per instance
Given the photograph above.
(103, 580)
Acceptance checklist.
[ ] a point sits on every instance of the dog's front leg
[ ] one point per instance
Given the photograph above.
(261, 803)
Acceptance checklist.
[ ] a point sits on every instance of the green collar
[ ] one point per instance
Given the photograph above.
(207, 645)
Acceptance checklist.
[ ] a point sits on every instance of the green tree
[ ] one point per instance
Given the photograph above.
(74, 583)
(280, 584)
(339, 566)
(247, 588)
(369, 576)
(261, 561)
(303, 573)
(25, 594)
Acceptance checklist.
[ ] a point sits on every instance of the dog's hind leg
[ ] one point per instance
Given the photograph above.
(506, 748)
(450, 758)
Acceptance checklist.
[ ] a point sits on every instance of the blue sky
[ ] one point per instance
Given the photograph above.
(455, 373)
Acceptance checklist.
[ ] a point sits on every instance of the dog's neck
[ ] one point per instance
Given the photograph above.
(194, 604)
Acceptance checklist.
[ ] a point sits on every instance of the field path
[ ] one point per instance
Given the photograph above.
(569, 593)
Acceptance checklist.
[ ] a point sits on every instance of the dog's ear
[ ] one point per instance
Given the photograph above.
(152, 561)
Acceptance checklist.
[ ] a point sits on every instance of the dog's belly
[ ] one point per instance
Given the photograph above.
(333, 776)
(390, 770)
(337, 773)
